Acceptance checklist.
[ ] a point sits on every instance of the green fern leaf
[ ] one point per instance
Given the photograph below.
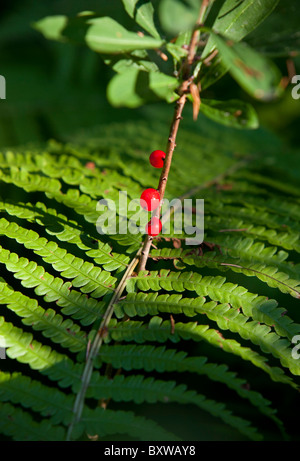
(52, 288)
(162, 360)
(161, 331)
(225, 317)
(252, 305)
(52, 255)
(139, 390)
(63, 332)
(20, 425)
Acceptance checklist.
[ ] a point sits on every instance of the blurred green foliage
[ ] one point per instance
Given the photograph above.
(54, 89)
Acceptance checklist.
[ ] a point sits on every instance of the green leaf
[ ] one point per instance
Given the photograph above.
(178, 16)
(105, 35)
(163, 85)
(121, 90)
(51, 26)
(176, 51)
(106, 422)
(255, 73)
(274, 40)
(138, 59)
(211, 73)
(138, 389)
(20, 425)
(142, 13)
(234, 113)
(134, 87)
(236, 19)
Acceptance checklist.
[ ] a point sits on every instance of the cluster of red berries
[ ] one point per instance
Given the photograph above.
(150, 198)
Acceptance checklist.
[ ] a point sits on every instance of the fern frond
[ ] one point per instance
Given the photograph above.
(105, 422)
(160, 359)
(161, 331)
(83, 204)
(19, 425)
(253, 219)
(287, 240)
(25, 349)
(139, 389)
(21, 346)
(280, 186)
(226, 318)
(52, 325)
(218, 289)
(54, 289)
(89, 278)
(70, 167)
(47, 401)
(67, 231)
(253, 266)
(274, 209)
(29, 182)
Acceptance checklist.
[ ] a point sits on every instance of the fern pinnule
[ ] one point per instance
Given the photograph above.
(160, 331)
(20, 425)
(226, 317)
(260, 308)
(254, 266)
(64, 332)
(139, 389)
(53, 289)
(162, 359)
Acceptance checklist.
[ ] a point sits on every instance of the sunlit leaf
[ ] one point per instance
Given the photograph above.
(138, 59)
(163, 85)
(235, 21)
(133, 88)
(105, 35)
(233, 113)
(121, 90)
(52, 26)
(178, 15)
(142, 13)
(237, 18)
(255, 73)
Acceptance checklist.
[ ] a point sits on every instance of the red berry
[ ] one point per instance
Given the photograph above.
(157, 158)
(90, 165)
(150, 199)
(154, 226)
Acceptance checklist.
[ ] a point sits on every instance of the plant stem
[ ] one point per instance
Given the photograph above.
(166, 168)
(183, 91)
(96, 344)
(196, 34)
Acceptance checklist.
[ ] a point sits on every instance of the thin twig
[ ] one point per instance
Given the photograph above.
(196, 33)
(183, 91)
(166, 168)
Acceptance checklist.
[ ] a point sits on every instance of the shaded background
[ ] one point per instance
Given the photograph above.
(55, 90)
